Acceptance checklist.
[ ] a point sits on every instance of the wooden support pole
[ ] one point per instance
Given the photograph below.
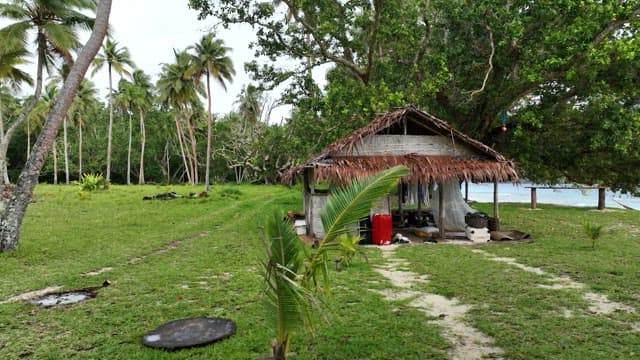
(441, 211)
(601, 197)
(496, 209)
(466, 191)
(534, 198)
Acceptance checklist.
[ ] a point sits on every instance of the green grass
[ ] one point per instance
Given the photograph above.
(214, 270)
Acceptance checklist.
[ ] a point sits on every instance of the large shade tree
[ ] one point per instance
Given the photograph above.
(116, 59)
(466, 61)
(11, 219)
(211, 61)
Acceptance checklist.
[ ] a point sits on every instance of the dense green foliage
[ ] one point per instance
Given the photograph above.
(565, 73)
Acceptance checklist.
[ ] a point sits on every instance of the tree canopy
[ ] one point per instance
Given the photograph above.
(547, 66)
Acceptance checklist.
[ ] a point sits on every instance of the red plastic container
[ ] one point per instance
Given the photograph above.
(381, 229)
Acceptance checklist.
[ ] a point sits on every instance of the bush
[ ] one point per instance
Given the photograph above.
(93, 182)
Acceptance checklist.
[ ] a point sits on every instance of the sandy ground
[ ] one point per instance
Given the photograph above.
(468, 343)
(598, 303)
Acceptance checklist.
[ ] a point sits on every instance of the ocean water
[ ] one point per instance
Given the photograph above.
(510, 193)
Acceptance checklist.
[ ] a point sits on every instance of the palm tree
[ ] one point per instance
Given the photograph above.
(55, 24)
(84, 100)
(250, 103)
(39, 115)
(13, 77)
(294, 274)
(142, 100)
(116, 59)
(211, 60)
(123, 100)
(13, 215)
(177, 89)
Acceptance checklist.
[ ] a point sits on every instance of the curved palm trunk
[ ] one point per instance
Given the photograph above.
(14, 213)
(194, 152)
(143, 138)
(184, 155)
(129, 154)
(66, 150)
(207, 182)
(110, 128)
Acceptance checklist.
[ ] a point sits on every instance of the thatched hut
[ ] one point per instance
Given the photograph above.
(432, 150)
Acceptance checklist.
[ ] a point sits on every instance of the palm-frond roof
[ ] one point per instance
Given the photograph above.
(341, 163)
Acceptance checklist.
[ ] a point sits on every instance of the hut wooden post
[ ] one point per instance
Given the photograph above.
(466, 191)
(441, 211)
(496, 210)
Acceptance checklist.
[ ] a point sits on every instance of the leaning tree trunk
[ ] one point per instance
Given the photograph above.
(194, 152)
(184, 155)
(14, 213)
(143, 138)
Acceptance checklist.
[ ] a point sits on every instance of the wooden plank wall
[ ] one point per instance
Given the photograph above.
(378, 145)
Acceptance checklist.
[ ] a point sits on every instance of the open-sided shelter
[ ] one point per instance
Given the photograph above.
(432, 150)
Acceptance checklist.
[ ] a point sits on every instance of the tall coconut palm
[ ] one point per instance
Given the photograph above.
(177, 89)
(142, 100)
(211, 60)
(85, 99)
(10, 76)
(56, 25)
(117, 59)
(123, 100)
(39, 115)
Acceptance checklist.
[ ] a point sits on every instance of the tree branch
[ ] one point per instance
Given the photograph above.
(493, 51)
(353, 68)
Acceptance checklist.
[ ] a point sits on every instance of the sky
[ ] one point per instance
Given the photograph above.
(151, 29)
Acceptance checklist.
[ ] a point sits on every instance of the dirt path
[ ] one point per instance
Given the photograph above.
(468, 343)
(598, 303)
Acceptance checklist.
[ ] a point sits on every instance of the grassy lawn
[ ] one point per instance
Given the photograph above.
(201, 257)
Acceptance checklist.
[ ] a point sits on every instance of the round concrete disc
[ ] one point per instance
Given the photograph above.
(189, 332)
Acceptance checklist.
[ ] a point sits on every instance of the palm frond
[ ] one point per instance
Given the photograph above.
(350, 204)
(288, 300)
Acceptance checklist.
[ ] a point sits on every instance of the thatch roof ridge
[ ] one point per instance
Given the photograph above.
(506, 169)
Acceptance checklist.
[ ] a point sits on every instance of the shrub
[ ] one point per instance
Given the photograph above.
(593, 232)
(93, 182)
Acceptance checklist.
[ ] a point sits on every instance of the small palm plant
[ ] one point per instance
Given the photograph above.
(295, 274)
(593, 232)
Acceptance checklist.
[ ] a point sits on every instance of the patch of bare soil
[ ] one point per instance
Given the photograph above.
(599, 304)
(468, 343)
